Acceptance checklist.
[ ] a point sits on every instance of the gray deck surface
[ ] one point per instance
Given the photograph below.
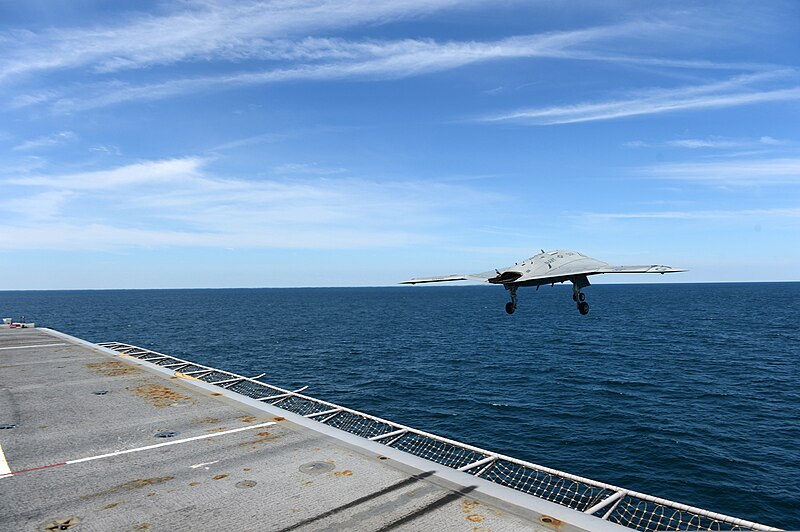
(281, 477)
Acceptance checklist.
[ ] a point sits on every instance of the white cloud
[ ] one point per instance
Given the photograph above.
(725, 143)
(61, 137)
(277, 30)
(177, 202)
(37, 207)
(704, 143)
(765, 143)
(338, 59)
(263, 138)
(102, 237)
(636, 144)
(32, 98)
(740, 172)
(308, 169)
(196, 31)
(148, 172)
(106, 149)
(771, 141)
(251, 43)
(708, 215)
(736, 91)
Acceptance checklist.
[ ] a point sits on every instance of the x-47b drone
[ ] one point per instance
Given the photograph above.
(548, 267)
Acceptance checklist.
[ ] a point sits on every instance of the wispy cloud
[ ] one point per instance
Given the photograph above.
(754, 172)
(709, 215)
(256, 43)
(705, 143)
(195, 31)
(318, 59)
(206, 31)
(178, 202)
(308, 169)
(263, 138)
(106, 149)
(250, 43)
(149, 172)
(32, 98)
(47, 140)
(713, 142)
(37, 207)
(95, 236)
(737, 91)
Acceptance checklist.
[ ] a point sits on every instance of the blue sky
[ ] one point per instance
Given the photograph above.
(317, 143)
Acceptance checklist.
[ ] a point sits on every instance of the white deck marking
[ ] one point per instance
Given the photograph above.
(174, 442)
(5, 471)
(30, 346)
(204, 464)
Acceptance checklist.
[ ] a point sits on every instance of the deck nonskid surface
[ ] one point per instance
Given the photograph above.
(85, 452)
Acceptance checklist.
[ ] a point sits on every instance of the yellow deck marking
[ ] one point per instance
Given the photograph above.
(184, 376)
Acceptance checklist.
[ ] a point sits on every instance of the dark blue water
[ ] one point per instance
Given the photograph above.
(689, 392)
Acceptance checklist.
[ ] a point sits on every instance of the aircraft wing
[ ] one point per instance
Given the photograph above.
(655, 268)
(577, 270)
(443, 278)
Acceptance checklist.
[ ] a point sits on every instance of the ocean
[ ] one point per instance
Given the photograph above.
(689, 392)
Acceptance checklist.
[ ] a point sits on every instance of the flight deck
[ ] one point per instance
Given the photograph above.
(118, 437)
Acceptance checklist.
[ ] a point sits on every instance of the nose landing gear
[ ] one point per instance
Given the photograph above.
(511, 306)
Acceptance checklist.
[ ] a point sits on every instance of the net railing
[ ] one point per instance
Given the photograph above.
(634, 510)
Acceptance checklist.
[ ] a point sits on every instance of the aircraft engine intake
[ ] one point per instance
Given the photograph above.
(505, 277)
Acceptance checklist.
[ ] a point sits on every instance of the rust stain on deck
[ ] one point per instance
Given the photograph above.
(209, 420)
(112, 368)
(132, 485)
(263, 437)
(469, 506)
(552, 521)
(160, 396)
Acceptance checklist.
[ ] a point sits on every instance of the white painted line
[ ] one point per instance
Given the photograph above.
(5, 471)
(174, 442)
(204, 464)
(30, 346)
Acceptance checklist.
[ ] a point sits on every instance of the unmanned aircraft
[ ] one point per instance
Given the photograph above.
(548, 267)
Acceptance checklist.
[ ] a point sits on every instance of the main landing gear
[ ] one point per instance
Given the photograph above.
(580, 299)
(511, 306)
(577, 296)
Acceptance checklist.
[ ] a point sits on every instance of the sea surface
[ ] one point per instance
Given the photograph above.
(689, 392)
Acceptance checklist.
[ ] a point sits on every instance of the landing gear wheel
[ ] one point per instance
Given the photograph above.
(582, 296)
(583, 307)
(511, 306)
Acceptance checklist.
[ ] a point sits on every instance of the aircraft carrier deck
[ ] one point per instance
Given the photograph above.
(117, 437)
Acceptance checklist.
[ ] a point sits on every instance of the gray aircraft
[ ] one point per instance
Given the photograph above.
(548, 267)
